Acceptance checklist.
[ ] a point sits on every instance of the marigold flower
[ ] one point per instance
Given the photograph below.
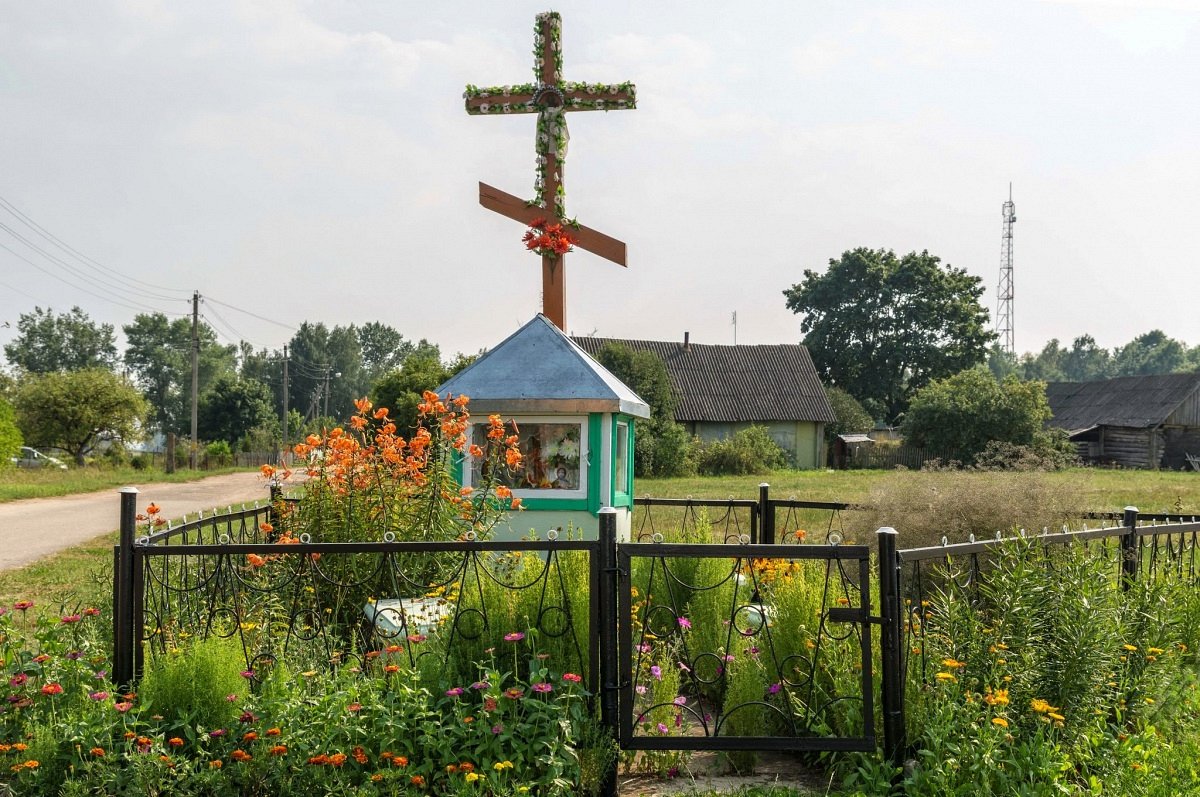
(279, 749)
(417, 780)
(97, 751)
(337, 759)
(273, 732)
(216, 763)
(249, 736)
(240, 755)
(400, 761)
(175, 741)
(319, 760)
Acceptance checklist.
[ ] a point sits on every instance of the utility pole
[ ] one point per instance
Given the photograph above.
(193, 448)
(284, 425)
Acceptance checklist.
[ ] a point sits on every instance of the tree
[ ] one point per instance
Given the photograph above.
(158, 353)
(1087, 362)
(1001, 362)
(46, 342)
(964, 412)
(74, 411)
(231, 407)
(1048, 365)
(881, 326)
(383, 349)
(662, 447)
(1150, 353)
(10, 436)
(400, 390)
(851, 417)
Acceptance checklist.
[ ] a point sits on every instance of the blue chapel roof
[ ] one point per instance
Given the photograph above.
(538, 369)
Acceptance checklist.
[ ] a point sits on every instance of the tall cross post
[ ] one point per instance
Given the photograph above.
(550, 97)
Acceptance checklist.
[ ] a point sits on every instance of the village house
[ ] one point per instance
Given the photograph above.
(1131, 421)
(720, 389)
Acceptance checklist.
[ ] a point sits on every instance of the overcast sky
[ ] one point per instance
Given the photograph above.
(312, 160)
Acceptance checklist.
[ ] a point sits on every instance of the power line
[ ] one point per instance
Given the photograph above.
(251, 314)
(119, 302)
(88, 261)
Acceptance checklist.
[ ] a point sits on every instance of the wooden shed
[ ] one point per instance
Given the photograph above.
(720, 390)
(1131, 421)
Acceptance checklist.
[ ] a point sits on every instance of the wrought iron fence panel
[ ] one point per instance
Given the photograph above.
(680, 519)
(345, 603)
(745, 648)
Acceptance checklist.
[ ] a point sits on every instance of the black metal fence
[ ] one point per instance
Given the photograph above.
(224, 575)
(762, 519)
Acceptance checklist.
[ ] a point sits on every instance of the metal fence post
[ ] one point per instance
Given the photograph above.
(276, 497)
(1130, 549)
(890, 636)
(123, 642)
(767, 524)
(607, 620)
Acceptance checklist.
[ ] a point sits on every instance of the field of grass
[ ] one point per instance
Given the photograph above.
(1091, 489)
(16, 483)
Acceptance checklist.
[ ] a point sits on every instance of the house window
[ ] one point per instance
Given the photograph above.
(554, 460)
(621, 460)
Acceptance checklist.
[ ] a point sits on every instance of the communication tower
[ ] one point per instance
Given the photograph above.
(1004, 302)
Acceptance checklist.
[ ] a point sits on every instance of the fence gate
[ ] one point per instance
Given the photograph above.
(698, 664)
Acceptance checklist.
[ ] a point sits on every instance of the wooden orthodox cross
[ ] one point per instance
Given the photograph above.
(550, 98)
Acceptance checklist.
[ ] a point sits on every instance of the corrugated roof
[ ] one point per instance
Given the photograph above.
(539, 369)
(1133, 401)
(736, 383)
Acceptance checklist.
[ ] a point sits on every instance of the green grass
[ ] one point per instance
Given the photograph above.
(1092, 489)
(81, 575)
(16, 483)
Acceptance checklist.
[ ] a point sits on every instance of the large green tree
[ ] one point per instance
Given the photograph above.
(232, 406)
(76, 410)
(48, 342)
(661, 447)
(881, 326)
(964, 412)
(158, 354)
(1150, 353)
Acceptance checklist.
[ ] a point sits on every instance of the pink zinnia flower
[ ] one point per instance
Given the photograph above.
(572, 677)
(52, 689)
(71, 618)
(542, 687)
(455, 692)
(662, 728)
(123, 706)
(684, 622)
(515, 636)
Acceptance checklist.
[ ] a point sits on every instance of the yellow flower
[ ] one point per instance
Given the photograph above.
(1055, 716)
(1130, 648)
(1003, 723)
(946, 676)
(472, 777)
(953, 663)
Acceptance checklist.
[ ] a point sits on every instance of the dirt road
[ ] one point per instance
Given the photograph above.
(37, 527)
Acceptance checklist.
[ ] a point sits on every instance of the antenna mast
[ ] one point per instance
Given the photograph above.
(1004, 302)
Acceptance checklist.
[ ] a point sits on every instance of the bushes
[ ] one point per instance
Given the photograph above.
(750, 450)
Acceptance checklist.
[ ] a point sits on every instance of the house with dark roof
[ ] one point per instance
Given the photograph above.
(722, 389)
(1131, 421)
